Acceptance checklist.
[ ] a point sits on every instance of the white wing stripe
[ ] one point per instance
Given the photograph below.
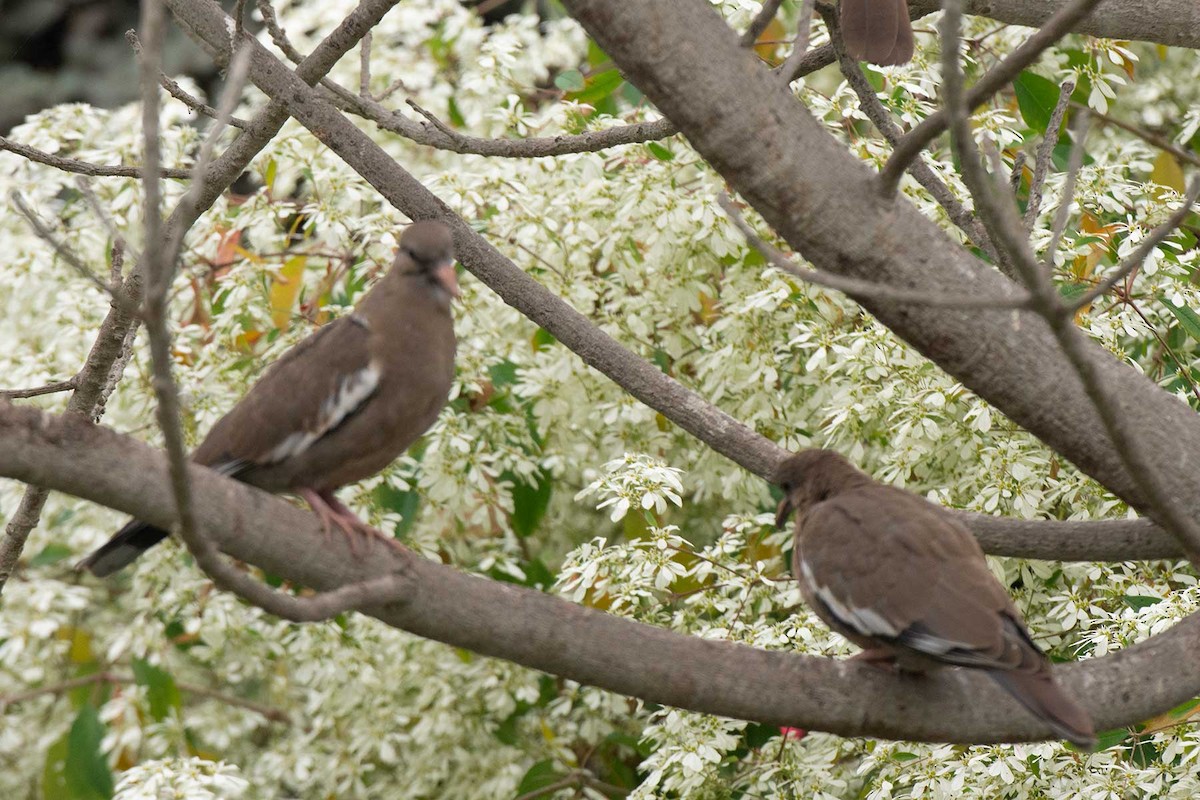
(866, 621)
(351, 393)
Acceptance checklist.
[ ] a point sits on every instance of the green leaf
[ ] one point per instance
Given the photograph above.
(539, 776)
(161, 690)
(530, 503)
(404, 503)
(659, 152)
(570, 81)
(1036, 98)
(456, 117)
(503, 374)
(1137, 602)
(1108, 739)
(902, 757)
(1183, 708)
(1187, 318)
(51, 554)
(598, 88)
(75, 768)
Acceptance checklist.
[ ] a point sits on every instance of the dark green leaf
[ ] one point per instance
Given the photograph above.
(75, 768)
(756, 734)
(456, 117)
(659, 152)
(539, 776)
(161, 690)
(1145, 753)
(1137, 602)
(1187, 318)
(1109, 739)
(902, 757)
(404, 503)
(570, 81)
(1036, 98)
(503, 374)
(1184, 707)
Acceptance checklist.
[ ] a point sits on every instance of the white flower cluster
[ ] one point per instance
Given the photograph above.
(181, 779)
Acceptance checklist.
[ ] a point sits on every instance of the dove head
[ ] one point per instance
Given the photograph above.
(810, 476)
(429, 246)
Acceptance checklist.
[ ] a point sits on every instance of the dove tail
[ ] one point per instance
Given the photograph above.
(122, 549)
(1037, 691)
(877, 31)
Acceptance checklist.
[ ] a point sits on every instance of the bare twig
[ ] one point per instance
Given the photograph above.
(110, 225)
(791, 66)
(62, 687)
(760, 22)
(235, 80)
(860, 288)
(178, 92)
(1144, 248)
(81, 167)
(160, 269)
(1014, 178)
(1074, 164)
(67, 254)
(996, 79)
(1161, 142)
(38, 391)
(1041, 166)
(278, 34)
(364, 66)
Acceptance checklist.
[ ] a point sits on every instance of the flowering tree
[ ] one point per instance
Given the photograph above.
(621, 619)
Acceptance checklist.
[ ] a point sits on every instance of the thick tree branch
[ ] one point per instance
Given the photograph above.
(544, 632)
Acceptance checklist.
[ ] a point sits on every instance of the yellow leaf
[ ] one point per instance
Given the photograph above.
(767, 45)
(1168, 173)
(285, 288)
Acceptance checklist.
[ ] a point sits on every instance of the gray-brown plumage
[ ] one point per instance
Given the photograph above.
(878, 31)
(342, 404)
(902, 579)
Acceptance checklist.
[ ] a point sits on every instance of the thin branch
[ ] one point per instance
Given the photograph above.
(1074, 164)
(760, 22)
(996, 79)
(364, 66)
(1161, 142)
(38, 391)
(1045, 151)
(110, 225)
(869, 102)
(1018, 168)
(791, 67)
(1144, 248)
(178, 92)
(160, 269)
(860, 288)
(67, 254)
(278, 34)
(62, 687)
(81, 167)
